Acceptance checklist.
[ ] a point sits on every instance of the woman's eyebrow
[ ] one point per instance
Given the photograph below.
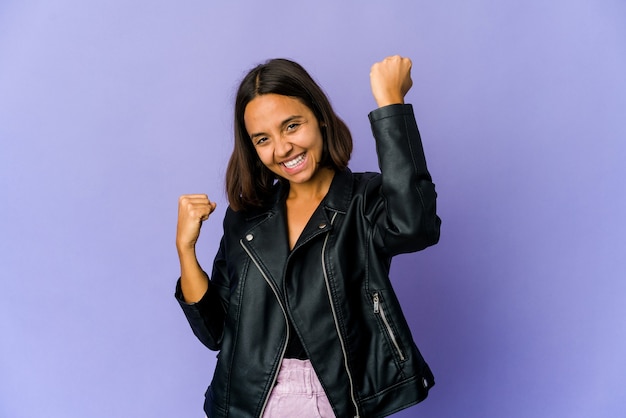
(290, 119)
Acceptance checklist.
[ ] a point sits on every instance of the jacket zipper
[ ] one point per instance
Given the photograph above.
(282, 354)
(334, 312)
(378, 309)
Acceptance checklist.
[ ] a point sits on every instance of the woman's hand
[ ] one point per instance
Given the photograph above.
(193, 209)
(390, 80)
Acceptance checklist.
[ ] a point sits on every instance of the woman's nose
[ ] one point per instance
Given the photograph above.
(283, 147)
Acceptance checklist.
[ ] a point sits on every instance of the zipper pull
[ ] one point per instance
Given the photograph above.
(376, 307)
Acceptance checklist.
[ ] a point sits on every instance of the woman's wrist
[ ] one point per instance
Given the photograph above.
(389, 100)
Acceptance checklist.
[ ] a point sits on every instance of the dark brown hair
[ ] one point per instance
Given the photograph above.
(248, 181)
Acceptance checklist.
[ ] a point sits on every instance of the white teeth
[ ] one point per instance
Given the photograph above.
(294, 162)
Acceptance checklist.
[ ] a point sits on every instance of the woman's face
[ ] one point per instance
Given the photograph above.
(286, 135)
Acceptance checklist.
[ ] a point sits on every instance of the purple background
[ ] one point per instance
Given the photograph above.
(111, 109)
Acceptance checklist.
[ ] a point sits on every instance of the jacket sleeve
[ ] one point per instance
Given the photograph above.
(405, 216)
(207, 316)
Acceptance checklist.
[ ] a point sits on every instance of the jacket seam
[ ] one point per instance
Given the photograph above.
(412, 154)
(241, 283)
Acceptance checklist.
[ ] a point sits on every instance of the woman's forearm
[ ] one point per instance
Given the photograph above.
(194, 281)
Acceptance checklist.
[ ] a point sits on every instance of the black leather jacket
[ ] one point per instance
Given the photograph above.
(333, 286)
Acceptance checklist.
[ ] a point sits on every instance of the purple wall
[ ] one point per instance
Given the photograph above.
(111, 109)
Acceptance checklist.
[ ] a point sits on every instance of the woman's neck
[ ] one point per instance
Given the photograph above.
(313, 190)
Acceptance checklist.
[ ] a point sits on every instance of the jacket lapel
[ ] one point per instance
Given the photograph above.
(336, 200)
(266, 242)
(317, 224)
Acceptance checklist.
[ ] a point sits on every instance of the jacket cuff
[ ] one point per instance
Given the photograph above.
(390, 111)
(190, 307)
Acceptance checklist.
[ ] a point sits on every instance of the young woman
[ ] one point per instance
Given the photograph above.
(299, 302)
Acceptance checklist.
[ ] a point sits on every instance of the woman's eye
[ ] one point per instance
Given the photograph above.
(292, 126)
(260, 141)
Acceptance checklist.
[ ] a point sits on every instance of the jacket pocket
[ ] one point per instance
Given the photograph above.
(380, 310)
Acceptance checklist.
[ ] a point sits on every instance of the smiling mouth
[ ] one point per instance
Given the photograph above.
(295, 162)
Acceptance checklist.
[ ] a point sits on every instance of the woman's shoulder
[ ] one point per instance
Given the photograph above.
(273, 199)
(365, 176)
(366, 179)
(365, 184)
(233, 218)
(348, 183)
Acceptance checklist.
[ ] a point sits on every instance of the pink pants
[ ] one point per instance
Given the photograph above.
(298, 393)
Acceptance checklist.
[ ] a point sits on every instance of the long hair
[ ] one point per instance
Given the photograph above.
(248, 182)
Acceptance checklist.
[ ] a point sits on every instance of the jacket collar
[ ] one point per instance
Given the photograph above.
(269, 224)
(340, 193)
(337, 199)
